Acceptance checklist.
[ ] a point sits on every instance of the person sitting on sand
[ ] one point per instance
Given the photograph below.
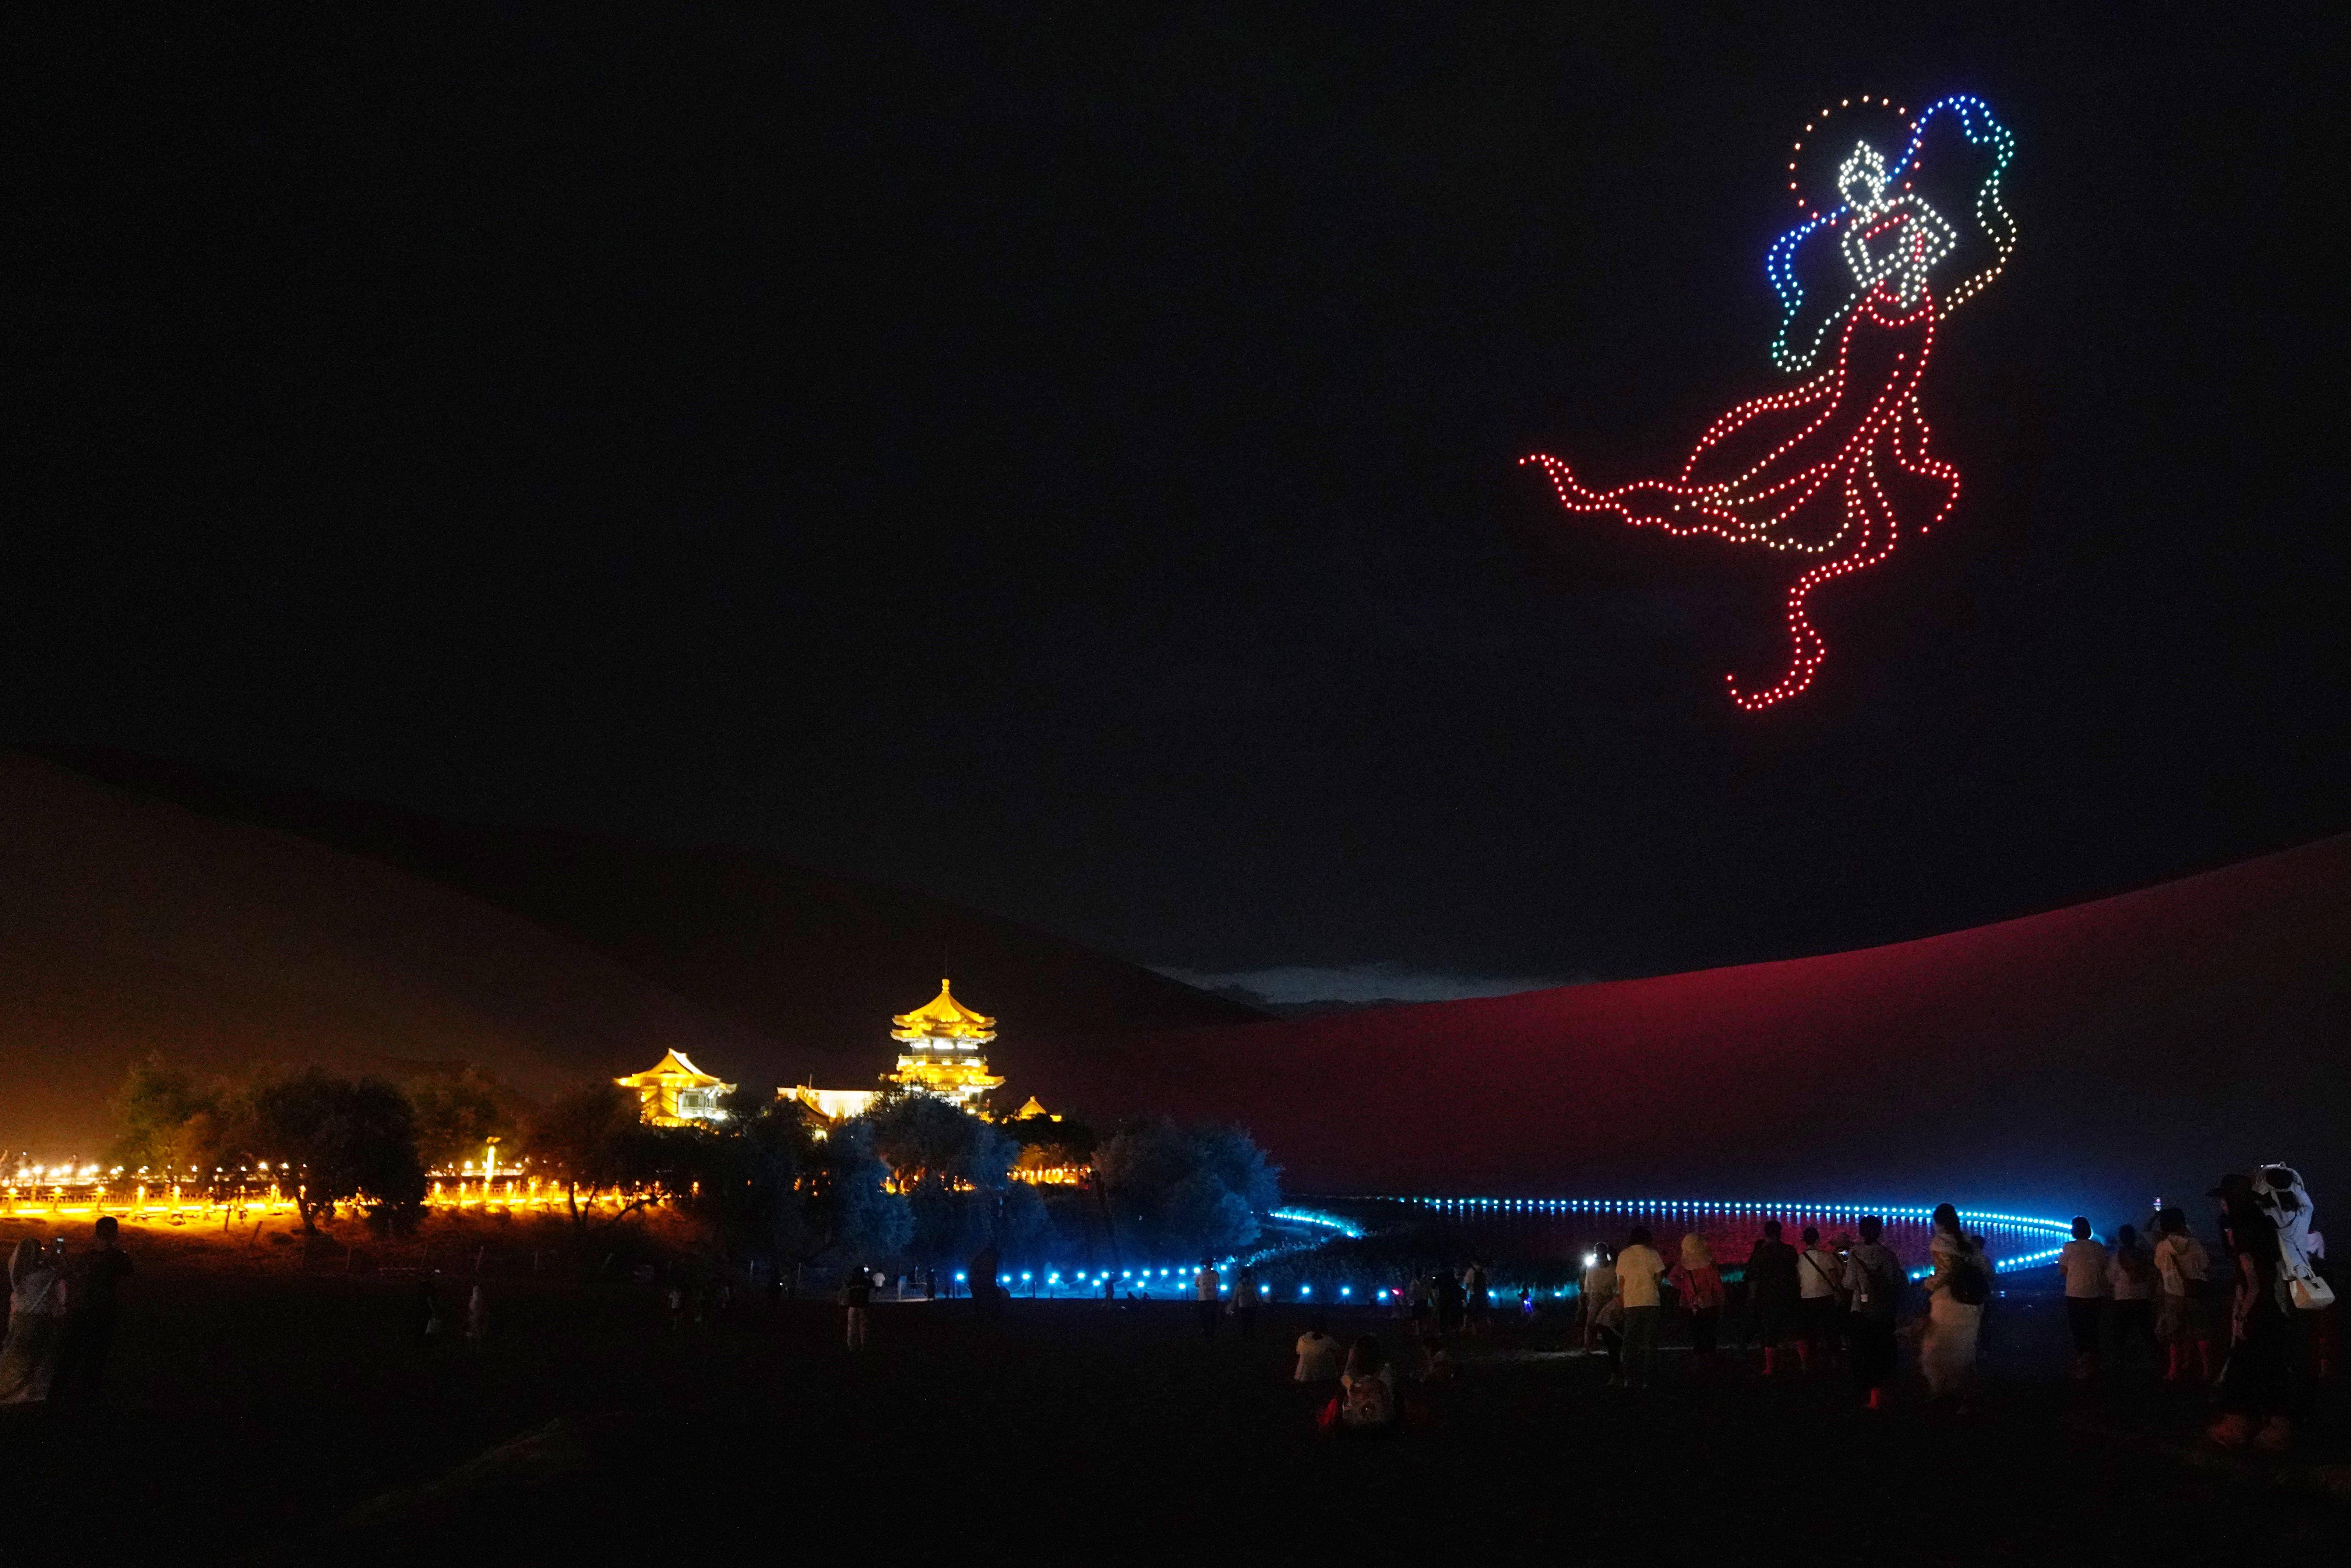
(1436, 1365)
(1321, 1356)
(1367, 1390)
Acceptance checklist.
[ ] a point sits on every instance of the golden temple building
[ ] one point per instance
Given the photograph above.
(943, 1051)
(673, 1093)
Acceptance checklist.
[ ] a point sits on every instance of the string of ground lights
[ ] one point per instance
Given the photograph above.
(1836, 467)
(1178, 1281)
(1990, 1222)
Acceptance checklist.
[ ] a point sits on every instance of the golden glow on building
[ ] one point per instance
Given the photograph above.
(943, 1053)
(832, 1104)
(673, 1093)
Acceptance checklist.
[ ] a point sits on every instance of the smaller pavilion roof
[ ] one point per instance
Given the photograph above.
(676, 1067)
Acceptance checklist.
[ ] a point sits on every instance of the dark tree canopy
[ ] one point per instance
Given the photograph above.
(1187, 1191)
(169, 1119)
(346, 1138)
(458, 1113)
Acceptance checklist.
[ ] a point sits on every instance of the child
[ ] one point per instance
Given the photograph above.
(1435, 1366)
(1367, 1399)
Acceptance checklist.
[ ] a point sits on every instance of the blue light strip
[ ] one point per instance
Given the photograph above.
(1977, 1218)
(1346, 1228)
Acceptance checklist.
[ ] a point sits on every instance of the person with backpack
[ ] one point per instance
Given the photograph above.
(1820, 1280)
(2183, 1316)
(1956, 1292)
(1874, 1281)
(1773, 1294)
(2084, 1263)
(2130, 1277)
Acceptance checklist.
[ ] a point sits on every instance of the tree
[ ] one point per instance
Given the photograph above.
(952, 1169)
(591, 1139)
(344, 1138)
(1050, 1142)
(757, 1177)
(851, 1207)
(925, 1137)
(168, 1120)
(1193, 1191)
(458, 1113)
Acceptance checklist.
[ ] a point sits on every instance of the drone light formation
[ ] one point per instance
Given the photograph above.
(1835, 468)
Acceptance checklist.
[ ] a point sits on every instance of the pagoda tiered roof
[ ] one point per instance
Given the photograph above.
(943, 1017)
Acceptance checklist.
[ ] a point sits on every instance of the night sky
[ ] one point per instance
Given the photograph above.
(1069, 463)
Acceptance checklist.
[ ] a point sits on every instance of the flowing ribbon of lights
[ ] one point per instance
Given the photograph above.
(1836, 467)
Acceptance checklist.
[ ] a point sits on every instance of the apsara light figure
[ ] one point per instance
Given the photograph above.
(1832, 470)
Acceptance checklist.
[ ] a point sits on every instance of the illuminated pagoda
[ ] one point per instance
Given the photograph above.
(673, 1093)
(943, 1051)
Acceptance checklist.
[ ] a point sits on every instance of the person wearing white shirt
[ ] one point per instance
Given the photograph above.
(1638, 1270)
(1602, 1312)
(1820, 1307)
(1205, 1285)
(1320, 1355)
(2083, 1261)
(2183, 1317)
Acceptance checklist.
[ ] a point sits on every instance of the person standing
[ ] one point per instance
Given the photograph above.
(1638, 1270)
(1204, 1292)
(856, 1306)
(1819, 1306)
(1246, 1298)
(1417, 1305)
(1700, 1284)
(2184, 1310)
(1450, 1302)
(1598, 1307)
(1773, 1294)
(1872, 1287)
(1477, 1294)
(2256, 1385)
(36, 1306)
(478, 1317)
(1956, 1292)
(2083, 1262)
(427, 1310)
(2130, 1279)
(89, 1333)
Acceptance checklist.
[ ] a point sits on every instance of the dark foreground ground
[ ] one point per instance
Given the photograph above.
(281, 1417)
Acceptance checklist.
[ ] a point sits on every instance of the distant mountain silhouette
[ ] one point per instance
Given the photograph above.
(2112, 1050)
(805, 971)
(128, 925)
